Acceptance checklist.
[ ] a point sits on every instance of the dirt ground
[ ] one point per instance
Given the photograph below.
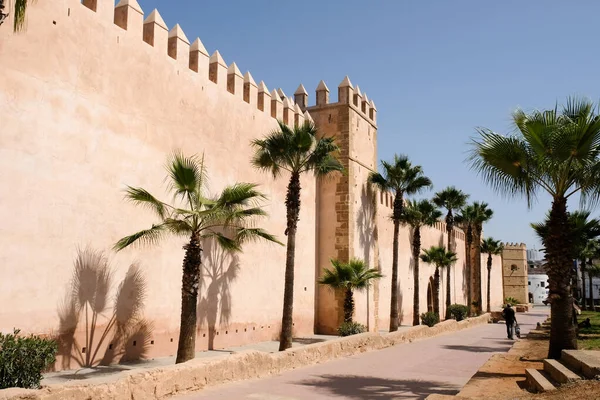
(503, 377)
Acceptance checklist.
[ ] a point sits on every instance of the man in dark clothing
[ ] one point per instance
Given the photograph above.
(509, 316)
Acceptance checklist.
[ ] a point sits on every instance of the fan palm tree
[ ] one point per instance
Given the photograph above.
(451, 199)
(296, 151)
(399, 177)
(493, 248)
(349, 277)
(466, 219)
(583, 231)
(441, 258)
(418, 214)
(482, 215)
(556, 151)
(228, 218)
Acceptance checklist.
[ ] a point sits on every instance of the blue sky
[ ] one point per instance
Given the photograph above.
(435, 69)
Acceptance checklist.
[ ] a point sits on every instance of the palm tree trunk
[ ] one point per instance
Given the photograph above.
(583, 295)
(557, 244)
(468, 276)
(190, 281)
(451, 245)
(476, 255)
(292, 203)
(489, 268)
(398, 205)
(448, 288)
(348, 305)
(416, 249)
(436, 291)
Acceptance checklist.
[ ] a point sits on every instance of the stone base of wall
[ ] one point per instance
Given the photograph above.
(197, 374)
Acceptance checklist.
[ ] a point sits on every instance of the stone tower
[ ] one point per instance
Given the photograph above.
(346, 206)
(514, 272)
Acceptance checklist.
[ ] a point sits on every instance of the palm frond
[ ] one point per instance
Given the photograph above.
(245, 235)
(491, 246)
(187, 176)
(142, 197)
(239, 194)
(379, 180)
(145, 237)
(20, 11)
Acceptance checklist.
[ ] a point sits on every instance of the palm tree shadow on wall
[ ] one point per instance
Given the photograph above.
(366, 223)
(122, 334)
(219, 269)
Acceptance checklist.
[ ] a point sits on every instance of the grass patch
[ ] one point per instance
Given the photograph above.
(589, 338)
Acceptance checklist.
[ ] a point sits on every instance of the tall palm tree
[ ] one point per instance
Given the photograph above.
(228, 218)
(451, 199)
(296, 151)
(482, 215)
(418, 214)
(349, 277)
(493, 248)
(556, 151)
(441, 258)
(466, 220)
(399, 177)
(583, 231)
(591, 252)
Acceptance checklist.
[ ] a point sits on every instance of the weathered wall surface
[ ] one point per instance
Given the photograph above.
(514, 266)
(86, 108)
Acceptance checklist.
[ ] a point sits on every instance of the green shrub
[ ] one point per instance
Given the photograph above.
(458, 311)
(430, 318)
(351, 328)
(23, 359)
(511, 300)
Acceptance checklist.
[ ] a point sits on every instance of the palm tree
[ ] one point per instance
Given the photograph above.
(583, 231)
(20, 7)
(482, 214)
(556, 151)
(295, 150)
(399, 177)
(591, 252)
(451, 199)
(351, 276)
(418, 214)
(226, 218)
(441, 258)
(466, 220)
(493, 248)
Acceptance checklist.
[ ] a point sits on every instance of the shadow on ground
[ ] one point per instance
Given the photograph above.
(367, 387)
(480, 349)
(308, 340)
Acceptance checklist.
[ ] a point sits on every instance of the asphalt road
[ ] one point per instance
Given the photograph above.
(443, 365)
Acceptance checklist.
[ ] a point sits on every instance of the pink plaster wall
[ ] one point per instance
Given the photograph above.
(87, 108)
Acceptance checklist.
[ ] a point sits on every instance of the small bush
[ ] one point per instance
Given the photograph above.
(511, 300)
(23, 359)
(458, 311)
(430, 318)
(351, 328)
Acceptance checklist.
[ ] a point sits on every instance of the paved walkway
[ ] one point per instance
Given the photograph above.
(442, 365)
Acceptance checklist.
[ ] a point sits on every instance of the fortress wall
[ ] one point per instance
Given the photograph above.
(430, 236)
(86, 108)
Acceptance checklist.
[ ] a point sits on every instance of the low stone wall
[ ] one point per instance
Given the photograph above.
(159, 383)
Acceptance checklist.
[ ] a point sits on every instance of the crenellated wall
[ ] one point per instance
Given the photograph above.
(93, 97)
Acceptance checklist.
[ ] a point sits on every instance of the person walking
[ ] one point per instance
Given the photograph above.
(509, 316)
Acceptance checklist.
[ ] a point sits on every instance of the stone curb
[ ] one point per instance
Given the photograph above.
(159, 383)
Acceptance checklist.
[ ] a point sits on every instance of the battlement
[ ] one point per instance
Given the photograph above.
(193, 56)
(514, 246)
(347, 94)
